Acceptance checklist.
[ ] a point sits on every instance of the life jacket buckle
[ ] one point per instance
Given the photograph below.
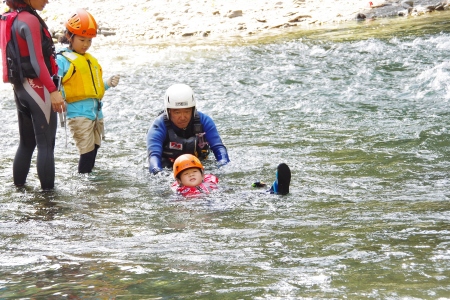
(201, 140)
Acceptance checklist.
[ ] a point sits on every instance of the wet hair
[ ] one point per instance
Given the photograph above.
(14, 4)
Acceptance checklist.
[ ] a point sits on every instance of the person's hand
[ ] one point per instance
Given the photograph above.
(113, 81)
(164, 173)
(155, 170)
(222, 163)
(58, 103)
(161, 173)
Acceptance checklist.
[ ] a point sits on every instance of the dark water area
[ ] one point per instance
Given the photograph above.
(359, 112)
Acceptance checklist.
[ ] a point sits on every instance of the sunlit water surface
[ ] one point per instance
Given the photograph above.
(361, 114)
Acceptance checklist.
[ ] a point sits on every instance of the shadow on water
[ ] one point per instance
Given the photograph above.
(44, 204)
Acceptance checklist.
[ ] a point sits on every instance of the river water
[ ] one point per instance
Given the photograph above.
(360, 113)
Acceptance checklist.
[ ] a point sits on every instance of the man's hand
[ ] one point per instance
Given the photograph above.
(222, 163)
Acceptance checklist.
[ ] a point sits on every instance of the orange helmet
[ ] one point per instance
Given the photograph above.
(82, 23)
(184, 162)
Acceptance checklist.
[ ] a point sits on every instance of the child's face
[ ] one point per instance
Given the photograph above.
(191, 177)
(80, 44)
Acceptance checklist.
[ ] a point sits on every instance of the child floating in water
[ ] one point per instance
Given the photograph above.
(191, 180)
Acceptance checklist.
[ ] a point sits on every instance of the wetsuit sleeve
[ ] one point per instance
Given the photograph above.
(155, 140)
(105, 83)
(214, 140)
(30, 30)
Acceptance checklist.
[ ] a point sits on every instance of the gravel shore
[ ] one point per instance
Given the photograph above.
(159, 21)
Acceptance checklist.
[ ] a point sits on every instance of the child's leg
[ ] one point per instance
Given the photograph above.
(282, 181)
(98, 135)
(87, 161)
(82, 130)
(95, 154)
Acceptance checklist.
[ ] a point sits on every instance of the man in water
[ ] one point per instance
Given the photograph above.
(181, 129)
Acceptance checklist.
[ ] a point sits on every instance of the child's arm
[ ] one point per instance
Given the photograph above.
(63, 67)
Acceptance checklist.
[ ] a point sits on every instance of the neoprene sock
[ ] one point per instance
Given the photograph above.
(282, 181)
(87, 161)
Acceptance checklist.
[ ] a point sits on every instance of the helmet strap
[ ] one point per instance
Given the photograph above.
(70, 38)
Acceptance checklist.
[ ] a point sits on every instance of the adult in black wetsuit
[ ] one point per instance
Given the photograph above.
(37, 97)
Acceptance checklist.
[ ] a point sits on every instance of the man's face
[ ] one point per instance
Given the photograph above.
(180, 117)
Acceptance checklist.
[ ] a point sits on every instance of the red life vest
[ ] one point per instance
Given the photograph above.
(15, 67)
(209, 183)
(7, 47)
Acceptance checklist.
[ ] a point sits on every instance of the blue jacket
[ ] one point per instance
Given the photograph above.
(87, 108)
(157, 134)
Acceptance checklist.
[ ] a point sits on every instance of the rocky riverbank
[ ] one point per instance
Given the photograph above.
(157, 21)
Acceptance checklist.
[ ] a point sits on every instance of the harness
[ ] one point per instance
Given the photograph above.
(175, 146)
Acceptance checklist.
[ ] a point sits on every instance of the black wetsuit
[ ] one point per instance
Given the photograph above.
(37, 120)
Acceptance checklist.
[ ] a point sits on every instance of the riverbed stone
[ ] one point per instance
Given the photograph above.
(234, 14)
(146, 21)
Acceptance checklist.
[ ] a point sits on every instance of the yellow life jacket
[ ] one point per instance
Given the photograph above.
(84, 79)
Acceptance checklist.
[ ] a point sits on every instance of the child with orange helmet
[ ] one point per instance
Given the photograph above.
(83, 87)
(191, 180)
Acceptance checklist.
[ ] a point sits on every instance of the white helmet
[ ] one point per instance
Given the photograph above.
(178, 96)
